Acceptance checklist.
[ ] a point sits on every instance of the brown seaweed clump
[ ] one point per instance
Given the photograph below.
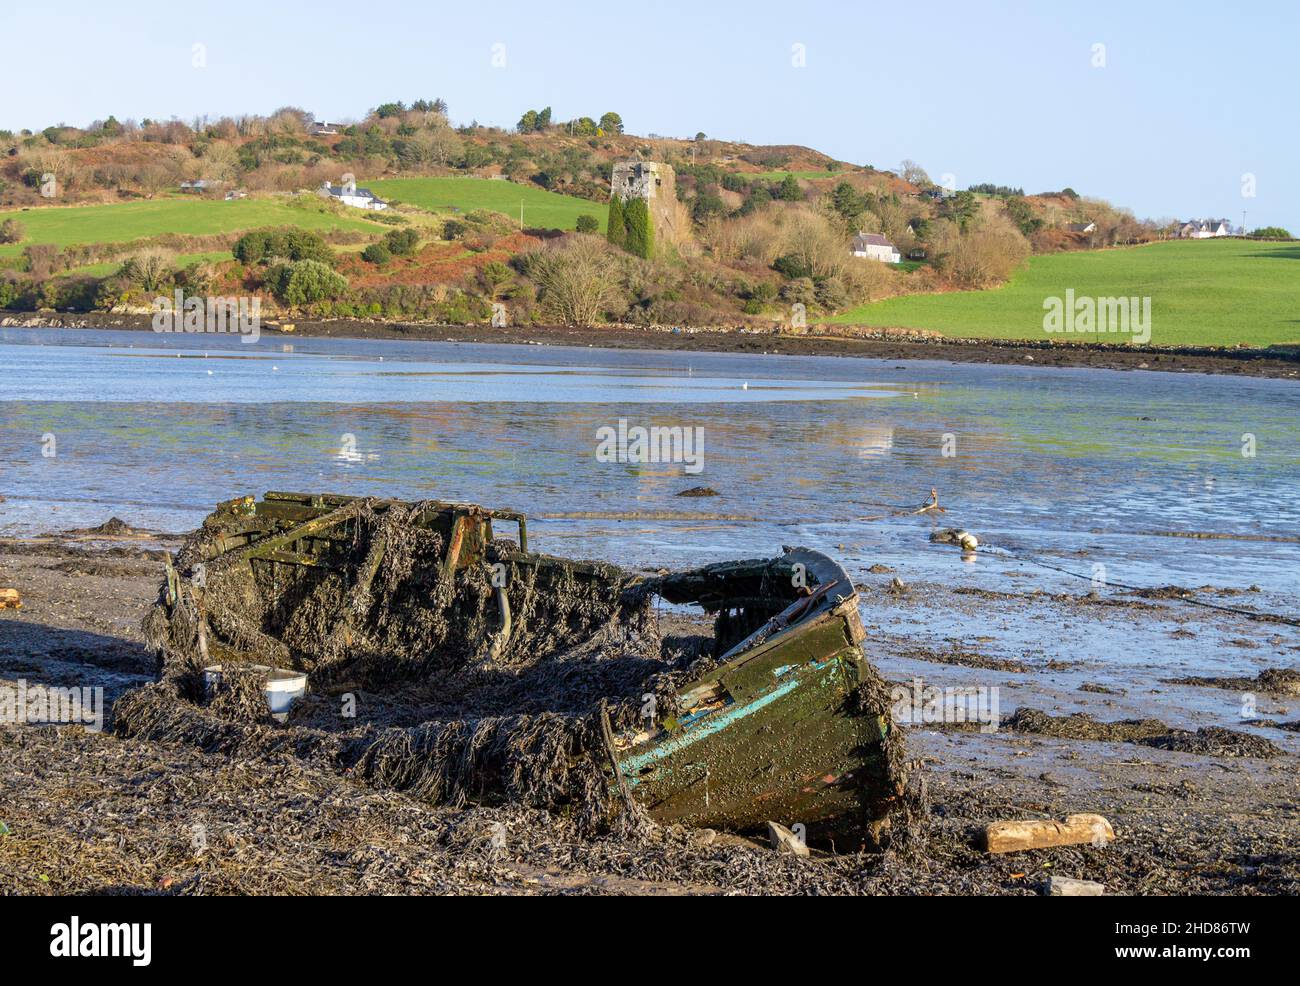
(1213, 741)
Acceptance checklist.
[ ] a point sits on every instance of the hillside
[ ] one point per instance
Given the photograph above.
(749, 236)
(1203, 292)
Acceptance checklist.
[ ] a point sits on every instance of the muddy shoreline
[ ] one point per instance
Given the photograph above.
(94, 812)
(889, 344)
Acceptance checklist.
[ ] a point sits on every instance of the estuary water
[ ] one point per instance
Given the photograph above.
(1053, 464)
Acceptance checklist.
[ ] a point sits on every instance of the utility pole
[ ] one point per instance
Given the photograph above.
(1243, 222)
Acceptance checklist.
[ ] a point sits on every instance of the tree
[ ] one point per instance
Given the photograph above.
(1264, 233)
(528, 122)
(912, 172)
(960, 207)
(586, 224)
(1019, 212)
(789, 190)
(220, 161)
(430, 106)
(846, 201)
(11, 231)
(611, 123)
(376, 253)
(544, 119)
(386, 110)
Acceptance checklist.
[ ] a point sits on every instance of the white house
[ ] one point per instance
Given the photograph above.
(349, 194)
(1203, 229)
(1088, 227)
(321, 128)
(874, 246)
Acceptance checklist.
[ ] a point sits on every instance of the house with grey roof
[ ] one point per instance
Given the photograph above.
(349, 194)
(874, 246)
(1202, 229)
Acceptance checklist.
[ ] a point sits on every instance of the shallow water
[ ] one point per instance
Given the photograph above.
(1075, 467)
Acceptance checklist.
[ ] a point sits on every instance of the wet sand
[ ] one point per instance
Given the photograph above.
(891, 344)
(91, 812)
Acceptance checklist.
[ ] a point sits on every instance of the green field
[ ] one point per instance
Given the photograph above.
(805, 175)
(1203, 292)
(124, 221)
(542, 209)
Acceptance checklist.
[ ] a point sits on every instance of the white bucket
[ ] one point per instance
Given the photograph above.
(283, 686)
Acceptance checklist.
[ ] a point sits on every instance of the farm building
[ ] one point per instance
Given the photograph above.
(1203, 229)
(874, 246)
(349, 194)
(1081, 227)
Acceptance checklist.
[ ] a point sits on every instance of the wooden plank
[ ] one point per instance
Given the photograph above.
(1037, 833)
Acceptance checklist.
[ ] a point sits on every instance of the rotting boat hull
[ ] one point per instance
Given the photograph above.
(788, 722)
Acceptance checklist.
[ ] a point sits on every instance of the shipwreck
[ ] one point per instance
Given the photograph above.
(446, 659)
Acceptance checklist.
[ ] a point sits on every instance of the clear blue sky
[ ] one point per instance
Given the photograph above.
(1192, 96)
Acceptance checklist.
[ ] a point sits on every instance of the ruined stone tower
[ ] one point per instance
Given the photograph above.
(650, 182)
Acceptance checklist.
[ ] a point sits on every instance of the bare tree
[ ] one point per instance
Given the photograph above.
(910, 171)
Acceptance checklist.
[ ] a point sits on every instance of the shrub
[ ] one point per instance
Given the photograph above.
(495, 274)
(11, 231)
(150, 271)
(588, 224)
(832, 295)
(800, 291)
(402, 242)
(576, 280)
(305, 281)
(616, 227)
(9, 293)
(1264, 233)
(288, 243)
(377, 254)
(640, 232)
(792, 266)
(453, 229)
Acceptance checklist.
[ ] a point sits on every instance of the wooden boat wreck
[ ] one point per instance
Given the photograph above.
(485, 672)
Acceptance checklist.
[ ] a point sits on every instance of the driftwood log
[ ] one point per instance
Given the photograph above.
(9, 599)
(1013, 836)
(1063, 886)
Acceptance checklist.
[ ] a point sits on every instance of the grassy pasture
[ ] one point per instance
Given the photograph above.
(1203, 292)
(121, 222)
(547, 210)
